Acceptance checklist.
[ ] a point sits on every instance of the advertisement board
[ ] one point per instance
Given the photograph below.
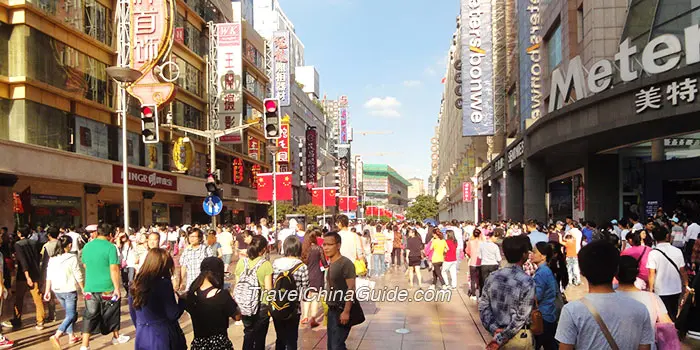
(283, 142)
(92, 138)
(280, 67)
(477, 68)
(343, 125)
(230, 72)
(530, 70)
(311, 155)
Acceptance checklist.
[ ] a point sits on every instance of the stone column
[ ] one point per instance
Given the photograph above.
(601, 188)
(91, 209)
(658, 152)
(7, 181)
(535, 189)
(495, 190)
(147, 208)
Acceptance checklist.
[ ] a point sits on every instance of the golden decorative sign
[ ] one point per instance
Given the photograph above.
(183, 154)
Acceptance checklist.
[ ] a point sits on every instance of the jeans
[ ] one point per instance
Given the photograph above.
(450, 267)
(546, 339)
(671, 303)
(287, 333)
(484, 272)
(377, 264)
(22, 289)
(474, 280)
(69, 302)
(396, 256)
(255, 329)
(437, 273)
(336, 333)
(574, 272)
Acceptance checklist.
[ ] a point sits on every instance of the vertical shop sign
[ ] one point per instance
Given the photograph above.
(280, 67)
(477, 68)
(230, 72)
(343, 125)
(311, 157)
(283, 144)
(467, 191)
(238, 171)
(253, 148)
(530, 63)
(254, 176)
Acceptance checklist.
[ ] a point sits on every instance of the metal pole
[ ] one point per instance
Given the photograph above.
(212, 166)
(125, 158)
(476, 202)
(323, 194)
(274, 188)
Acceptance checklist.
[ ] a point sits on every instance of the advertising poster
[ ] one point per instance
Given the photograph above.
(280, 67)
(529, 41)
(91, 138)
(343, 125)
(230, 72)
(311, 156)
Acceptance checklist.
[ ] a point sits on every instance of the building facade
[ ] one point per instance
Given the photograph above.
(416, 189)
(383, 186)
(60, 133)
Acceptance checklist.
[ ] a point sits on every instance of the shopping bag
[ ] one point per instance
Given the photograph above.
(360, 267)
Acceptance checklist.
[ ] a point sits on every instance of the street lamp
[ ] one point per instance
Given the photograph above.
(273, 149)
(124, 77)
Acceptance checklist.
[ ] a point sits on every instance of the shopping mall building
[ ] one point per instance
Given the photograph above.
(59, 132)
(615, 132)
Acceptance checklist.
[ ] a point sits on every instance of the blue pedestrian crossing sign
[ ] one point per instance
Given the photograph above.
(212, 205)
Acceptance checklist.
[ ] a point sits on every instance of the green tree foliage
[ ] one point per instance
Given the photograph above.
(283, 208)
(311, 211)
(423, 207)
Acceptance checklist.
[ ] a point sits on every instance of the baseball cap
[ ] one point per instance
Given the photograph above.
(614, 222)
(675, 220)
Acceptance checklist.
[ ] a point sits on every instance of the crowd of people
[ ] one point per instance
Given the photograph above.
(517, 273)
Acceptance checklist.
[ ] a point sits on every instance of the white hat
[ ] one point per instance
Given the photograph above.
(91, 228)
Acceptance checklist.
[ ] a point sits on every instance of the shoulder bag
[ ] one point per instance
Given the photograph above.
(357, 315)
(536, 321)
(601, 324)
(665, 334)
(671, 261)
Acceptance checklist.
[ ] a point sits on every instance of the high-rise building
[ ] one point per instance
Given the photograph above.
(269, 18)
(417, 188)
(384, 186)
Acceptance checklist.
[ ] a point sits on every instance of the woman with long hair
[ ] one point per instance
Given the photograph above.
(414, 255)
(438, 248)
(153, 307)
(312, 256)
(256, 326)
(210, 307)
(640, 252)
(63, 275)
(472, 253)
(449, 267)
(128, 258)
(291, 264)
(546, 290)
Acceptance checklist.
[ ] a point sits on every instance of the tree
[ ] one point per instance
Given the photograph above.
(423, 207)
(311, 211)
(283, 208)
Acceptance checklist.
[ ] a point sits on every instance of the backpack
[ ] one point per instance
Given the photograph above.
(247, 292)
(283, 305)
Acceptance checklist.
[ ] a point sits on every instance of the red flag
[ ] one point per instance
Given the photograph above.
(265, 186)
(444, 79)
(347, 203)
(371, 210)
(317, 195)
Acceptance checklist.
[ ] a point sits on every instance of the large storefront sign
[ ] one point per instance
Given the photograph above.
(311, 155)
(230, 72)
(343, 125)
(151, 40)
(530, 37)
(377, 185)
(660, 55)
(283, 142)
(280, 67)
(151, 179)
(183, 154)
(477, 68)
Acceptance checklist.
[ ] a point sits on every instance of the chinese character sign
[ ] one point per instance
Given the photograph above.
(230, 72)
(343, 125)
(280, 67)
(676, 91)
(238, 171)
(253, 147)
(283, 142)
(311, 157)
(467, 192)
(151, 40)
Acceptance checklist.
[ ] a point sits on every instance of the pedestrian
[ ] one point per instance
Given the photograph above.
(225, 240)
(257, 322)
(626, 277)
(667, 275)
(641, 254)
(7, 250)
(353, 247)
(472, 252)
(50, 249)
(127, 258)
(340, 287)
(210, 307)
(414, 255)
(535, 234)
(583, 323)
(5, 343)
(288, 271)
(572, 266)
(546, 291)
(191, 258)
(214, 246)
(312, 256)
(153, 307)
(490, 255)
(378, 249)
(28, 256)
(102, 288)
(153, 240)
(507, 299)
(63, 276)
(449, 266)
(396, 254)
(438, 249)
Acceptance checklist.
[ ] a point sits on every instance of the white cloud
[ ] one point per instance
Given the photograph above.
(429, 71)
(383, 107)
(412, 83)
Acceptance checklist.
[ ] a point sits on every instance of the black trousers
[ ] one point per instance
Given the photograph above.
(546, 339)
(671, 303)
(437, 274)
(396, 257)
(287, 332)
(474, 280)
(484, 272)
(255, 329)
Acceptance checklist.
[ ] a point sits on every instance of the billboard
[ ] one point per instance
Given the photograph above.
(311, 156)
(343, 125)
(530, 70)
(229, 66)
(477, 68)
(280, 67)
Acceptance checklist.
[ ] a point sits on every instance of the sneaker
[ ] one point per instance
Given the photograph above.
(5, 343)
(473, 297)
(8, 324)
(84, 348)
(39, 327)
(75, 339)
(55, 342)
(121, 340)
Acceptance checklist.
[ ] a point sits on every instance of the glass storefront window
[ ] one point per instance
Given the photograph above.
(47, 126)
(56, 210)
(678, 25)
(254, 86)
(5, 106)
(254, 56)
(641, 15)
(194, 40)
(87, 16)
(554, 50)
(5, 31)
(670, 9)
(160, 213)
(91, 138)
(133, 148)
(190, 77)
(186, 115)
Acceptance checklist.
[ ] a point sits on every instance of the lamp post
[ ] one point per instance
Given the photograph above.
(323, 174)
(273, 151)
(124, 76)
(475, 180)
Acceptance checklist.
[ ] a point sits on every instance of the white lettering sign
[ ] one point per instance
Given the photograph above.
(534, 53)
(515, 152)
(651, 97)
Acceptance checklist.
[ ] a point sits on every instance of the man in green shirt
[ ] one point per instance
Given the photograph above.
(102, 286)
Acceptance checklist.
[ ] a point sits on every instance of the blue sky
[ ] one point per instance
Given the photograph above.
(389, 57)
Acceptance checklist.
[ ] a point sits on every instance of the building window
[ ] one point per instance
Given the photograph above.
(554, 50)
(91, 138)
(254, 86)
(190, 77)
(47, 126)
(193, 39)
(98, 21)
(186, 115)
(254, 56)
(579, 24)
(88, 16)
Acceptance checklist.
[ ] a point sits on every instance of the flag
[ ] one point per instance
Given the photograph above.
(444, 79)
(371, 211)
(347, 203)
(265, 186)
(317, 195)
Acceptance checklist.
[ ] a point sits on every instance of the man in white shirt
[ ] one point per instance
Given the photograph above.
(350, 246)
(691, 235)
(667, 275)
(285, 232)
(634, 221)
(225, 239)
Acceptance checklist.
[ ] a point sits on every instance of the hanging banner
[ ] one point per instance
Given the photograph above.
(477, 68)
(283, 141)
(311, 156)
(151, 40)
(183, 154)
(343, 125)
(238, 171)
(254, 171)
(467, 190)
(280, 67)
(230, 71)
(253, 148)
(530, 57)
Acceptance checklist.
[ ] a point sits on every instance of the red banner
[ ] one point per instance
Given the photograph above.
(284, 187)
(152, 179)
(371, 211)
(467, 191)
(283, 144)
(318, 194)
(347, 203)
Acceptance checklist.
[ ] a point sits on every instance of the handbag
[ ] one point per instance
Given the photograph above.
(360, 267)
(666, 334)
(601, 324)
(536, 321)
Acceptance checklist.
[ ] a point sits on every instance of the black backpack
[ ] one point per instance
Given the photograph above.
(284, 304)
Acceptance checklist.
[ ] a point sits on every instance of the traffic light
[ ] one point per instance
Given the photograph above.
(149, 124)
(211, 186)
(272, 119)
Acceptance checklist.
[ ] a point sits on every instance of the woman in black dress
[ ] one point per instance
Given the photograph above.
(414, 255)
(312, 256)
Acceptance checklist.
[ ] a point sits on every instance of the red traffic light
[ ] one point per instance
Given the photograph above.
(270, 105)
(146, 112)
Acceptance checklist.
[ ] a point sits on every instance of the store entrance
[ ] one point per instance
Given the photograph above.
(683, 195)
(112, 214)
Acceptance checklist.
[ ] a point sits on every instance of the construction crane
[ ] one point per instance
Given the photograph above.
(379, 154)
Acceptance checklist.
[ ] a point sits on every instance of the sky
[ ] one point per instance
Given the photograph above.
(388, 57)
